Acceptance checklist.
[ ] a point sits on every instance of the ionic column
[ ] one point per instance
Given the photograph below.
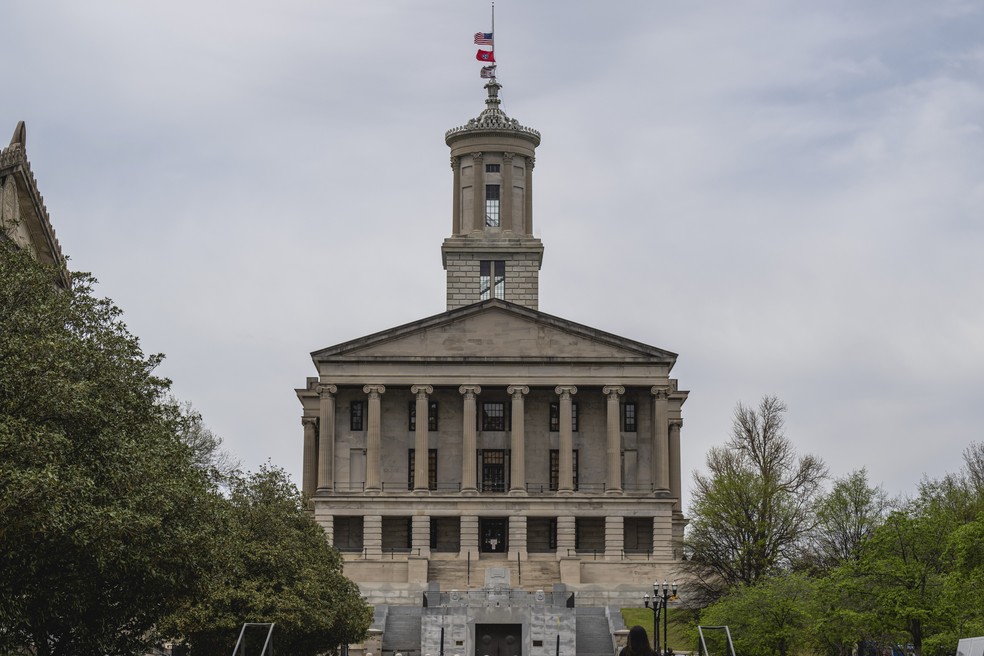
(506, 195)
(478, 197)
(456, 197)
(310, 477)
(529, 195)
(420, 473)
(661, 449)
(613, 482)
(373, 437)
(469, 439)
(517, 477)
(565, 482)
(326, 438)
(674, 459)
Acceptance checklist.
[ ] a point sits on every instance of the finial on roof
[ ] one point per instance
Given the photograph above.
(20, 135)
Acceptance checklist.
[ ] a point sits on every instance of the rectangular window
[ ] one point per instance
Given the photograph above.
(555, 416)
(491, 168)
(356, 415)
(494, 416)
(629, 417)
(492, 279)
(555, 469)
(492, 205)
(431, 469)
(431, 416)
(493, 470)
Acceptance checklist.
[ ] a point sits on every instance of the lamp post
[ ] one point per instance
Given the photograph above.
(661, 595)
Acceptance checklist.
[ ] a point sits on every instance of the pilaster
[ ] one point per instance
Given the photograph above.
(566, 535)
(469, 536)
(517, 538)
(372, 536)
(420, 535)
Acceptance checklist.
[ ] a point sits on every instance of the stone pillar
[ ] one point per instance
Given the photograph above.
(614, 537)
(529, 195)
(469, 536)
(506, 195)
(661, 448)
(373, 438)
(613, 481)
(310, 477)
(517, 477)
(326, 439)
(674, 460)
(469, 441)
(456, 197)
(663, 547)
(420, 535)
(517, 539)
(421, 442)
(566, 534)
(565, 482)
(478, 197)
(372, 536)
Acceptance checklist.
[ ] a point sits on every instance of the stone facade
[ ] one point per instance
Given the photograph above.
(24, 221)
(494, 435)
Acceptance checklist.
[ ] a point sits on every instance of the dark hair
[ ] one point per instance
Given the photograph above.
(638, 643)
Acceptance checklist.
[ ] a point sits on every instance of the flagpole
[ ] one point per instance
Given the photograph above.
(493, 36)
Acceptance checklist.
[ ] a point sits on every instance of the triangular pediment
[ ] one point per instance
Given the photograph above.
(495, 330)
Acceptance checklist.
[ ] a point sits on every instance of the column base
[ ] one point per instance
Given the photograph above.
(469, 492)
(518, 492)
(615, 492)
(421, 492)
(565, 493)
(372, 492)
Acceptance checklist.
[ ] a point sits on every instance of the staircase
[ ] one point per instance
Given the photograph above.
(402, 631)
(453, 574)
(594, 637)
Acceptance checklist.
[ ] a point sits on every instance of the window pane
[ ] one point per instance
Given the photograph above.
(630, 417)
(493, 416)
(355, 416)
(492, 206)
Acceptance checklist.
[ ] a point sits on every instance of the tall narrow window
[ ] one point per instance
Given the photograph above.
(492, 279)
(492, 205)
(629, 417)
(356, 415)
(431, 469)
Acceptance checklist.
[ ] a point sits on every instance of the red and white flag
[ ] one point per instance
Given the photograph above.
(485, 56)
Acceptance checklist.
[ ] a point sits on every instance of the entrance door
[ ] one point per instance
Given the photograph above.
(493, 531)
(498, 639)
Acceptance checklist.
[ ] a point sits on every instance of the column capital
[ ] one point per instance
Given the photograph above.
(532, 162)
(613, 390)
(421, 389)
(660, 391)
(326, 390)
(508, 157)
(454, 162)
(470, 390)
(477, 155)
(676, 423)
(309, 421)
(566, 390)
(517, 391)
(374, 390)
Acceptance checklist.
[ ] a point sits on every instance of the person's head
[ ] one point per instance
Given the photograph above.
(639, 641)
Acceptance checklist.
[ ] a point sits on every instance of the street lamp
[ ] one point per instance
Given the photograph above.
(661, 595)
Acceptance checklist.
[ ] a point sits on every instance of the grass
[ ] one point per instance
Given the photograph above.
(679, 639)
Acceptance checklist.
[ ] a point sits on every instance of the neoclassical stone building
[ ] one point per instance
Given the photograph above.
(493, 433)
(24, 221)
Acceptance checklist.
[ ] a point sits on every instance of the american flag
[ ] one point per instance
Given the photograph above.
(483, 38)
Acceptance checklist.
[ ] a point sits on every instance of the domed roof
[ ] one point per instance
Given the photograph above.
(493, 120)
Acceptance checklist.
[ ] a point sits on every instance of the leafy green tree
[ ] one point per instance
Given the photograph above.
(105, 524)
(752, 511)
(277, 567)
(846, 518)
(773, 617)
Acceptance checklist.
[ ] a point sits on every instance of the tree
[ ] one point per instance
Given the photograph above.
(278, 567)
(754, 508)
(105, 524)
(846, 518)
(771, 618)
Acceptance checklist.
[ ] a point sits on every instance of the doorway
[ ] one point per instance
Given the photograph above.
(493, 531)
(498, 639)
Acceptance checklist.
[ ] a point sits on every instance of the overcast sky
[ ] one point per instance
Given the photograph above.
(789, 195)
